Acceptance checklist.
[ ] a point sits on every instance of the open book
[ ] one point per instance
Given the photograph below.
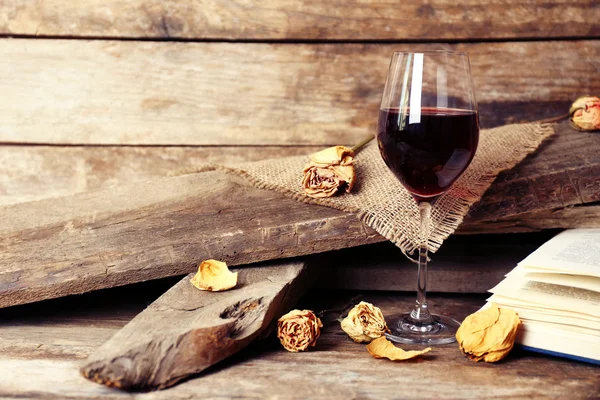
(556, 292)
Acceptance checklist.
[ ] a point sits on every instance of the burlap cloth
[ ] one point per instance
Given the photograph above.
(384, 204)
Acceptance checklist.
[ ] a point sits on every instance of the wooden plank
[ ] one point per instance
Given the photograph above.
(336, 369)
(186, 330)
(298, 20)
(155, 229)
(585, 216)
(250, 93)
(36, 172)
(563, 172)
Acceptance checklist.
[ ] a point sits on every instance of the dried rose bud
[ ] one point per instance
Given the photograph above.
(489, 334)
(585, 113)
(214, 276)
(328, 172)
(298, 330)
(364, 323)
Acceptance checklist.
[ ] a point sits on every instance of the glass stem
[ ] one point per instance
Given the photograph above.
(420, 314)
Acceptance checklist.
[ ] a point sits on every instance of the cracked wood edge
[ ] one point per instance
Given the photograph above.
(187, 330)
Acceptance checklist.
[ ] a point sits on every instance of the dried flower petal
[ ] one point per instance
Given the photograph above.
(383, 348)
(488, 334)
(364, 323)
(329, 171)
(585, 113)
(298, 330)
(214, 276)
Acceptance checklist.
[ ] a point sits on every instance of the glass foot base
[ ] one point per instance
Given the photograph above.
(405, 330)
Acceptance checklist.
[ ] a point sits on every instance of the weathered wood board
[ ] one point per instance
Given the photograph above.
(297, 20)
(43, 345)
(584, 216)
(564, 171)
(150, 230)
(168, 93)
(187, 330)
(36, 172)
(155, 229)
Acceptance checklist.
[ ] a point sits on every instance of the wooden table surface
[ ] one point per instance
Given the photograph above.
(42, 345)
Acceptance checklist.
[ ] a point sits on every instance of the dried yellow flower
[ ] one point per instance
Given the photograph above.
(214, 276)
(364, 323)
(489, 334)
(298, 330)
(328, 172)
(585, 113)
(383, 348)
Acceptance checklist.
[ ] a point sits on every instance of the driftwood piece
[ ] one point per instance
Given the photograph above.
(187, 330)
(255, 93)
(306, 19)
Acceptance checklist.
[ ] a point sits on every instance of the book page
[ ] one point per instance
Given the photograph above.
(515, 304)
(575, 251)
(578, 281)
(549, 295)
(550, 337)
(563, 319)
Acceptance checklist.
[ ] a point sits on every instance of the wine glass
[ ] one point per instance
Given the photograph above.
(427, 134)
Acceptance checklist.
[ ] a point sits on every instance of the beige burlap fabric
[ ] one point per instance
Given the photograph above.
(384, 204)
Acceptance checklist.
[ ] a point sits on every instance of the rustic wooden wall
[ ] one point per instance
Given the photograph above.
(98, 93)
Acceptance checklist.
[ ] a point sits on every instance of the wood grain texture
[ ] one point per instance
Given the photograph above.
(306, 19)
(585, 216)
(123, 92)
(149, 230)
(187, 330)
(336, 369)
(563, 172)
(36, 172)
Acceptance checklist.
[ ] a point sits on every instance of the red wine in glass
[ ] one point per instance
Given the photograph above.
(428, 156)
(428, 133)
